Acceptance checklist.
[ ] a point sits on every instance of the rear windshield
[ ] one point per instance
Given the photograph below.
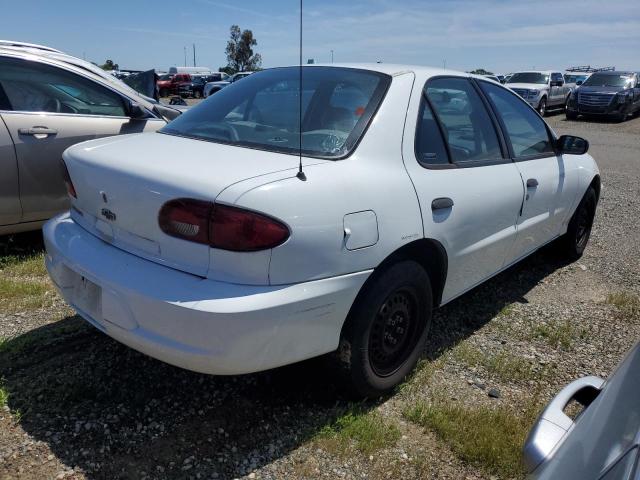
(529, 77)
(263, 111)
(608, 80)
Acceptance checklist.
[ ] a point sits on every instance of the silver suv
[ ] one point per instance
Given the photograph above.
(48, 102)
(543, 90)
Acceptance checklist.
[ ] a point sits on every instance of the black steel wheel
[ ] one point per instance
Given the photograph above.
(386, 330)
(392, 335)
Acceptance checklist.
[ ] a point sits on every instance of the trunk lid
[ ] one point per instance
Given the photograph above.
(122, 182)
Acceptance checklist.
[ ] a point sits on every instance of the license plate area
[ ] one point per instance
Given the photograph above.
(87, 297)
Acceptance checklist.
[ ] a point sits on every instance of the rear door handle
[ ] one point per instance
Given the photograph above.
(532, 183)
(37, 131)
(441, 203)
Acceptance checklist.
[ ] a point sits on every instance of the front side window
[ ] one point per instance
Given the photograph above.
(525, 130)
(464, 120)
(36, 87)
(263, 111)
(530, 77)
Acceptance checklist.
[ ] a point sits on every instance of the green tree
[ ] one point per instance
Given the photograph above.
(109, 65)
(240, 54)
(481, 71)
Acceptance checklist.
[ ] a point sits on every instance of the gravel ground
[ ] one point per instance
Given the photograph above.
(83, 406)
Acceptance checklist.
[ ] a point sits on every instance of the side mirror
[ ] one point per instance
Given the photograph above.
(579, 82)
(136, 112)
(572, 145)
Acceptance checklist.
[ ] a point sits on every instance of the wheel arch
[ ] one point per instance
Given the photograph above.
(427, 252)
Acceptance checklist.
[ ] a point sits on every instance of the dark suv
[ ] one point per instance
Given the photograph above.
(612, 94)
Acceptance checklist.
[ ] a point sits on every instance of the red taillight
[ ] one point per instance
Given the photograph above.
(71, 190)
(186, 218)
(241, 230)
(221, 226)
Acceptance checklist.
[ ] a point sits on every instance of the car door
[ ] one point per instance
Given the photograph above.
(550, 179)
(469, 191)
(10, 209)
(49, 109)
(555, 89)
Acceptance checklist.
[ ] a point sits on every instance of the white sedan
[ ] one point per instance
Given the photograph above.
(208, 246)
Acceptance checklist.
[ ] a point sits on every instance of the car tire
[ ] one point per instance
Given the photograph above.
(542, 107)
(386, 330)
(574, 242)
(571, 115)
(163, 92)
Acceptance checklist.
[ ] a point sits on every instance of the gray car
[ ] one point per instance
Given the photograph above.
(48, 102)
(602, 443)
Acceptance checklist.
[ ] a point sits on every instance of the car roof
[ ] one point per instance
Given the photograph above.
(537, 71)
(32, 46)
(74, 63)
(619, 72)
(398, 69)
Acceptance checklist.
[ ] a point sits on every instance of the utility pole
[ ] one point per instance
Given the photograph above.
(185, 56)
(194, 54)
(331, 56)
(444, 64)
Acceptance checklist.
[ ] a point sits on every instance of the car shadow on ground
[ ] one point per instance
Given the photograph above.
(116, 413)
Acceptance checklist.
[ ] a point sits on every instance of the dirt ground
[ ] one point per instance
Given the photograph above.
(79, 405)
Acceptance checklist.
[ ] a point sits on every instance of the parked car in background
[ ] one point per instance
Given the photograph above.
(500, 78)
(575, 79)
(213, 87)
(603, 441)
(195, 71)
(543, 90)
(507, 77)
(269, 242)
(48, 102)
(170, 83)
(193, 89)
(495, 78)
(615, 95)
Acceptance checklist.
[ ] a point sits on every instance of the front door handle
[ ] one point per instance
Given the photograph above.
(38, 131)
(532, 183)
(441, 203)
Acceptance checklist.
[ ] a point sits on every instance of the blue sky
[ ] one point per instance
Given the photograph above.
(499, 35)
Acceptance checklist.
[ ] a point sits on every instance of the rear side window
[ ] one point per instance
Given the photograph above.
(36, 87)
(464, 120)
(526, 131)
(263, 111)
(430, 147)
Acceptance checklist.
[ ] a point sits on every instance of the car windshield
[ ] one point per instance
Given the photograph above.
(574, 78)
(607, 80)
(263, 111)
(166, 77)
(530, 77)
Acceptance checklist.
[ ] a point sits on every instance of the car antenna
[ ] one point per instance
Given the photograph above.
(300, 173)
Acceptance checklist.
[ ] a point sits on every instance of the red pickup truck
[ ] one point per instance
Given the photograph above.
(169, 84)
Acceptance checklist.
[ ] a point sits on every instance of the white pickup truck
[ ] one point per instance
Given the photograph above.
(543, 90)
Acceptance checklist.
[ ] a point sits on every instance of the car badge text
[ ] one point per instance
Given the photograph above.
(108, 214)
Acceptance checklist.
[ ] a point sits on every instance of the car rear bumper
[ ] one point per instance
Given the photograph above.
(189, 321)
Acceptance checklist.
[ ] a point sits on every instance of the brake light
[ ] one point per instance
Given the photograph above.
(71, 190)
(221, 226)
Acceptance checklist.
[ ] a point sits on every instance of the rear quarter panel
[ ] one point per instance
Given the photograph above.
(372, 178)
